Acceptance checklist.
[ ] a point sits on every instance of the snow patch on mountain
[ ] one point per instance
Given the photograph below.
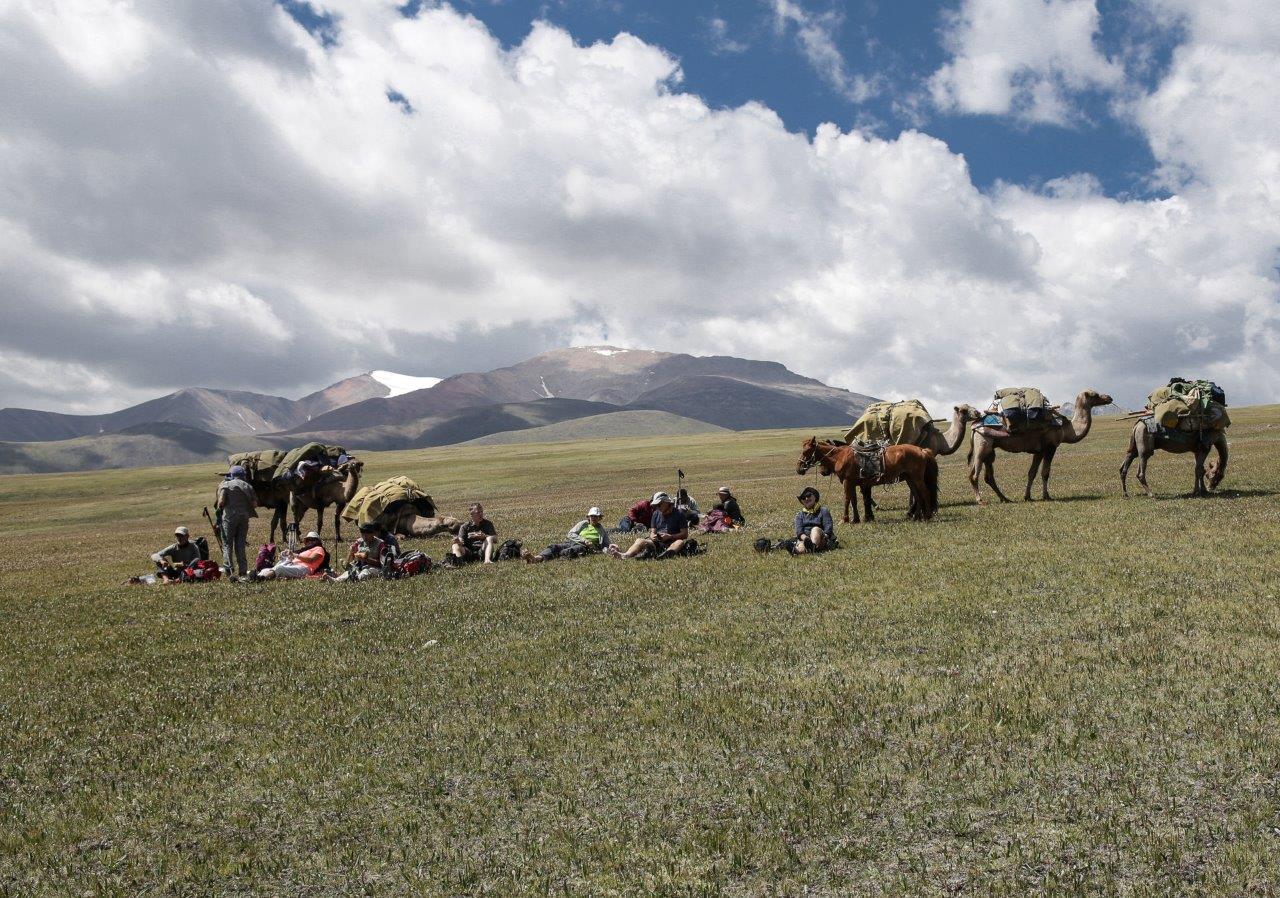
(399, 384)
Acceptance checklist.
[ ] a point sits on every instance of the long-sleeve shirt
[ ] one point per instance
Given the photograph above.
(176, 554)
(731, 510)
(819, 517)
(641, 513)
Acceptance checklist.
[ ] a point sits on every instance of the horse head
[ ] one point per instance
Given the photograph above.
(808, 455)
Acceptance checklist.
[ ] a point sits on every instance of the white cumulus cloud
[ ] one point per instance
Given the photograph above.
(239, 206)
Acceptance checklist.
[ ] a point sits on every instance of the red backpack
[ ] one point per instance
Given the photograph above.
(408, 565)
(201, 571)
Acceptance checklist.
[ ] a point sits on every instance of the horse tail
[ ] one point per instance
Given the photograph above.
(931, 480)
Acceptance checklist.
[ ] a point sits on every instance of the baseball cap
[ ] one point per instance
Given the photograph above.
(237, 471)
(181, 531)
(724, 489)
(659, 498)
(311, 534)
(594, 511)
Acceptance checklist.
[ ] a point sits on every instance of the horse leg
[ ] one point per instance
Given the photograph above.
(850, 500)
(1031, 474)
(1045, 467)
(866, 501)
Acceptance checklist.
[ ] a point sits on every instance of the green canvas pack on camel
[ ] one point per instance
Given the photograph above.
(897, 423)
(261, 465)
(371, 501)
(1189, 405)
(1023, 409)
(310, 452)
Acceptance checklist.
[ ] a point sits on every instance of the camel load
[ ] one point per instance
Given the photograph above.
(399, 505)
(1189, 405)
(1020, 410)
(897, 423)
(311, 453)
(260, 466)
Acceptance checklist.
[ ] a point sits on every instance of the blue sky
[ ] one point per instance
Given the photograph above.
(733, 52)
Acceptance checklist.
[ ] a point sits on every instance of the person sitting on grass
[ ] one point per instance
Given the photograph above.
(669, 533)
(639, 516)
(308, 563)
(815, 530)
(367, 556)
(588, 537)
(175, 558)
(477, 539)
(727, 504)
(687, 505)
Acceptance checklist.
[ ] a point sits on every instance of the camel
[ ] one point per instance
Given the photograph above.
(1143, 444)
(916, 466)
(406, 521)
(1041, 444)
(335, 489)
(273, 494)
(946, 443)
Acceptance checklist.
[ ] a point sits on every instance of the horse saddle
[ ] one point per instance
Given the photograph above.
(870, 458)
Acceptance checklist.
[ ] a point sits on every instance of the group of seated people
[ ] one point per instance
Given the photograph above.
(661, 524)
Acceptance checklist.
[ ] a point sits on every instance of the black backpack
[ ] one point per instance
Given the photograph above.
(509, 550)
(202, 546)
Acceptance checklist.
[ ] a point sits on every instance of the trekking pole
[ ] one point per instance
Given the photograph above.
(679, 483)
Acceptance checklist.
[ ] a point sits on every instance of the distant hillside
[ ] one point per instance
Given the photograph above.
(215, 411)
(735, 405)
(142, 446)
(456, 427)
(592, 373)
(602, 427)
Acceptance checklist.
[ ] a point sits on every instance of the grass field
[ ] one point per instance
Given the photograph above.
(1073, 698)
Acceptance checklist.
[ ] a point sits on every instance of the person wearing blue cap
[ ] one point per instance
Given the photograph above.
(237, 502)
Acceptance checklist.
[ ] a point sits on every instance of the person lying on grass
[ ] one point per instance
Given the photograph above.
(668, 533)
(367, 556)
(815, 530)
(588, 537)
(477, 540)
(309, 563)
(175, 558)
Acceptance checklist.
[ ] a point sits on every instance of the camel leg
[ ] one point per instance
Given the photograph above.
(1045, 467)
(1031, 474)
(989, 465)
(1124, 470)
(1142, 473)
(1200, 490)
(975, 470)
(337, 520)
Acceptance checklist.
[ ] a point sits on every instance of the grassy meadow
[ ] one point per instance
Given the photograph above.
(1071, 698)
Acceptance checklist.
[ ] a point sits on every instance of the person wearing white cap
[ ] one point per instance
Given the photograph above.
(309, 562)
(727, 505)
(173, 559)
(588, 537)
(669, 533)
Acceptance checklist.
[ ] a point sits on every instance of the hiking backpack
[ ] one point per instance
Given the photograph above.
(202, 571)
(410, 564)
(202, 546)
(509, 550)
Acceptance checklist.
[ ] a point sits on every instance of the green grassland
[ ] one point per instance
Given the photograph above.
(1069, 698)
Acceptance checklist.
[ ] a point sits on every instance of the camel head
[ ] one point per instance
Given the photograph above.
(1093, 399)
(967, 413)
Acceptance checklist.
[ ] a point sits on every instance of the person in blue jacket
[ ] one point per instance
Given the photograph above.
(815, 529)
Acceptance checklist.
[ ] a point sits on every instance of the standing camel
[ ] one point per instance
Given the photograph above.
(916, 466)
(1143, 444)
(1041, 444)
(273, 494)
(333, 489)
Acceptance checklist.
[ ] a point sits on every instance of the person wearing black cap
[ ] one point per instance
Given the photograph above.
(238, 502)
(815, 530)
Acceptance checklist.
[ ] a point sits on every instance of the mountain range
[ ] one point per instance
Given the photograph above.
(604, 388)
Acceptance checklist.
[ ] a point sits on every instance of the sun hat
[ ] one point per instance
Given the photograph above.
(594, 511)
(659, 498)
(808, 491)
(725, 489)
(181, 531)
(311, 534)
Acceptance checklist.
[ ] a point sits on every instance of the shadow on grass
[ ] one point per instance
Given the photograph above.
(1220, 494)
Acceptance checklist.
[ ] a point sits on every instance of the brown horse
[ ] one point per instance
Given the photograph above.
(918, 467)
